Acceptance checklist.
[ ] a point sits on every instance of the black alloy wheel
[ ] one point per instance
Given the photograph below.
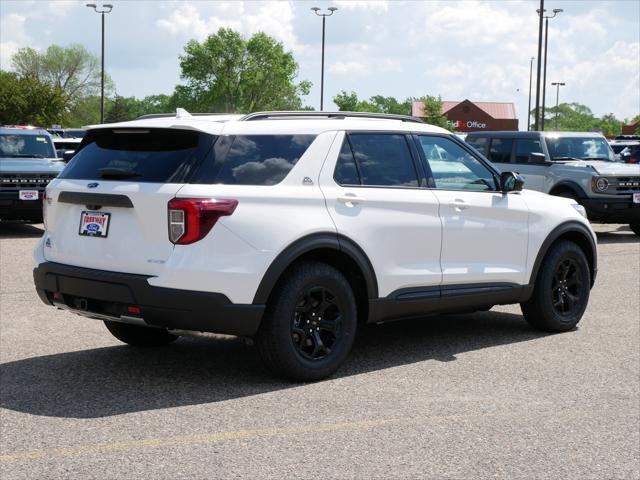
(317, 323)
(566, 288)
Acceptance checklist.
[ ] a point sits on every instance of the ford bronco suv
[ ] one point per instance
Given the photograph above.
(580, 166)
(28, 163)
(293, 228)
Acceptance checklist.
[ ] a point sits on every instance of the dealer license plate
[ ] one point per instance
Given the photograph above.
(28, 194)
(94, 224)
(636, 198)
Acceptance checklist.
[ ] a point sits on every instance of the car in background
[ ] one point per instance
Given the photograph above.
(627, 148)
(577, 165)
(28, 162)
(68, 132)
(66, 147)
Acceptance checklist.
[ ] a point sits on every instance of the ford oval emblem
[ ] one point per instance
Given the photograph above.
(92, 185)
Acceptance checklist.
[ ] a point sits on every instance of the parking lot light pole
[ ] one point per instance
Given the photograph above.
(106, 8)
(529, 109)
(544, 75)
(324, 16)
(557, 85)
(537, 115)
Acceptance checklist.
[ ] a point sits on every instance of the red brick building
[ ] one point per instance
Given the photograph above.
(468, 116)
(631, 128)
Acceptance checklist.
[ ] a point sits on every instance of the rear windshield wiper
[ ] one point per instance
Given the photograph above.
(118, 173)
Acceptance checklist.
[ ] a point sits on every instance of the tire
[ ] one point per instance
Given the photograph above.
(309, 291)
(138, 336)
(635, 228)
(561, 291)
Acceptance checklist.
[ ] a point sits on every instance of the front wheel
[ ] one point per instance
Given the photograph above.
(139, 336)
(561, 290)
(310, 323)
(635, 228)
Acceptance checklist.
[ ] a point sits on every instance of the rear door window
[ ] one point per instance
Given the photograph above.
(140, 155)
(383, 159)
(526, 146)
(500, 151)
(479, 143)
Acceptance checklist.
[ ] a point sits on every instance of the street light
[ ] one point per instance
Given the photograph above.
(540, 10)
(529, 109)
(557, 85)
(544, 80)
(324, 16)
(106, 8)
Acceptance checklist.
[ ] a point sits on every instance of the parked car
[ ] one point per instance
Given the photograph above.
(66, 147)
(575, 165)
(628, 150)
(28, 162)
(294, 227)
(68, 132)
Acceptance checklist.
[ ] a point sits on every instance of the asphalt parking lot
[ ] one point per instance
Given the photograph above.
(462, 396)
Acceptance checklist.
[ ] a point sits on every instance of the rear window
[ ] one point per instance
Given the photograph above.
(16, 145)
(253, 159)
(153, 155)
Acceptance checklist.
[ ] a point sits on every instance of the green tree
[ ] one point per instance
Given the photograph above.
(119, 110)
(349, 102)
(73, 70)
(432, 107)
(85, 111)
(228, 73)
(28, 101)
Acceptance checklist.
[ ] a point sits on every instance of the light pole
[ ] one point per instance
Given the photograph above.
(529, 109)
(540, 13)
(544, 79)
(324, 17)
(106, 8)
(557, 85)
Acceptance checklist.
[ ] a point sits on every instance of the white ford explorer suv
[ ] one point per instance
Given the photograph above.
(295, 227)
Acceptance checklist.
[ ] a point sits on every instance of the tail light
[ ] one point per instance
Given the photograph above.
(190, 219)
(44, 209)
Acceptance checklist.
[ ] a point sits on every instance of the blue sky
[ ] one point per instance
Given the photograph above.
(468, 49)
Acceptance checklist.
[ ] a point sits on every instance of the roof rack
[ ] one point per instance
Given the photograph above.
(168, 115)
(306, 114)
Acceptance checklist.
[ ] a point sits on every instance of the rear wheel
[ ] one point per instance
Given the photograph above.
(561, 291)
(635, 228)
(310, 323)
(138, 336)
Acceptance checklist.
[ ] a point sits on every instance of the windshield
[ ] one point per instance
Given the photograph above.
(584, 148)
(14, 145)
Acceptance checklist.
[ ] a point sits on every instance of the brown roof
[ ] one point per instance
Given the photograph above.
(498, 110)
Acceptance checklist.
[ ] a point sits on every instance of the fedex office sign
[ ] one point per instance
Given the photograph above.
(467, 124)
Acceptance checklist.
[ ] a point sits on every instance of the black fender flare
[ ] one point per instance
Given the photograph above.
(312, 242)
(569, 185)
(555, 234)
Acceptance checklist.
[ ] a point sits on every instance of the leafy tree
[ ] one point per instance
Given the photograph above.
(25, 100)
(85, 111)
(73, 70)
(432, 107)
(349, 102)
(228, 73)
(579, 118)
(119, 111)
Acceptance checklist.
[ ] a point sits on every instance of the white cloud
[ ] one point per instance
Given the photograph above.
(342, 68)
(377, 6)
(12, 37)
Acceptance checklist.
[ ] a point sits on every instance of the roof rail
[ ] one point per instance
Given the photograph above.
(168, 115)
(306, 114)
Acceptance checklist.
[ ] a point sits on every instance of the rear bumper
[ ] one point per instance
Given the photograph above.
(12, 208)
(107, 295)
(609, 210)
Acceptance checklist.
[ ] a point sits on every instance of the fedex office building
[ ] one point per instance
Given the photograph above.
(468, 116)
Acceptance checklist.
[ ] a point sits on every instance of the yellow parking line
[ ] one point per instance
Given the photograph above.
(188, 440)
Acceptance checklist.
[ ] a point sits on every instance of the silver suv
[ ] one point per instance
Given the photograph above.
(577, 165)
(28, 162)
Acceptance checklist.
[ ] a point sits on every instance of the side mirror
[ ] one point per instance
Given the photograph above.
(537, 158)
(68, 155)
(511, 182)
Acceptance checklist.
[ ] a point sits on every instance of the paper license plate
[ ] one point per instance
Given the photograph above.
(636, 198)
(28, 194)
(94, 224)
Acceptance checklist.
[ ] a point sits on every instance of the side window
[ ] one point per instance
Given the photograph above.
(453, 168)
(346, 172)
(479, 143)
(524, 147)
(384, 160)
(500, 151)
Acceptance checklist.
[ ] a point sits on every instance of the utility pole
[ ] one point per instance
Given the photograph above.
(529, 109)
(557, 85)
(540, 14)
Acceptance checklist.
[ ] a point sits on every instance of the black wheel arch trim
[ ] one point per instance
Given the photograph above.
(307, 244)
(555, 234)
(569, 185)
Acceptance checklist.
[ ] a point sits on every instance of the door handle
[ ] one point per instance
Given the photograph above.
(458, 205)
(350, 200)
